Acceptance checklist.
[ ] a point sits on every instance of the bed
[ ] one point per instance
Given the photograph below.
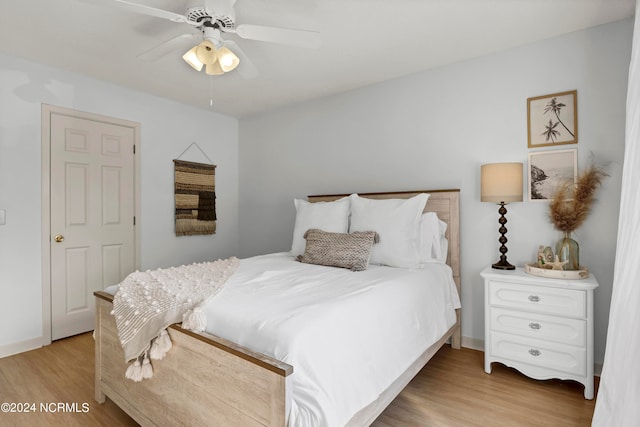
(216, 380)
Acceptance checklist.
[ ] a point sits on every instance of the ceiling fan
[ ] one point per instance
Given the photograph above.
(214, 18)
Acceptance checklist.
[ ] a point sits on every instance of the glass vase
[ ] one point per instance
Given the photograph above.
(568, 249)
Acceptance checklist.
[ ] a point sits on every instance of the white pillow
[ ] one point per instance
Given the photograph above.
(397, 223)
(433, 244)
(332, 217)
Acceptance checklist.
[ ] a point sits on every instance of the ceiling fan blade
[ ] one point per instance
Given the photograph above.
(168, 46)
(151, 11)
(246, 68)
(299, 38)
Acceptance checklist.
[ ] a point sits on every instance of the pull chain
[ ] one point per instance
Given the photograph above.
(210, 91)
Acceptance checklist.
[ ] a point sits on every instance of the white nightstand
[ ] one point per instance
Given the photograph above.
(542, 327)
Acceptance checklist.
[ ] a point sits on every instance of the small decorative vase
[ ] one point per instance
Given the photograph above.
(568, 249)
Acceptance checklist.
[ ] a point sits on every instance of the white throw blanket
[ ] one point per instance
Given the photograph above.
(146, 303)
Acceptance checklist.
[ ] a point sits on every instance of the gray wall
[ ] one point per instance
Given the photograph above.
(434, 130)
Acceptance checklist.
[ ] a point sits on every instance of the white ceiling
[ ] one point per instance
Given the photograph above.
(363, 42)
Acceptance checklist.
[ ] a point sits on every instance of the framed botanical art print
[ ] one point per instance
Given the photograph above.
(553, 119)
(548, 170)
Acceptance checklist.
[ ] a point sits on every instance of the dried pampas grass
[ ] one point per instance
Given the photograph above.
(571, 204)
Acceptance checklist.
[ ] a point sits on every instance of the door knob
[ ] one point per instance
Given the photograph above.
(59, 238)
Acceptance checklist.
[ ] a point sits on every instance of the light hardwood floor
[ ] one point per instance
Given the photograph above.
(452, 390)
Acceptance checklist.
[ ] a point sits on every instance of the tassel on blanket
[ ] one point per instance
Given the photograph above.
(134, 371)
(140, 369)
(147, 369)
(194, 320)
(160, 346)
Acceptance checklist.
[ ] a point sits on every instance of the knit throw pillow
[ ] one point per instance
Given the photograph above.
(345, 250)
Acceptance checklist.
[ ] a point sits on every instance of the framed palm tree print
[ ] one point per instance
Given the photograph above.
(553, 119)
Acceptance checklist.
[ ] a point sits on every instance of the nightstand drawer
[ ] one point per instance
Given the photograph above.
(539, 326)
(539, 353)
(541, 299)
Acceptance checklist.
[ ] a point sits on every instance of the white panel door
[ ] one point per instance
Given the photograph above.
(92, 216)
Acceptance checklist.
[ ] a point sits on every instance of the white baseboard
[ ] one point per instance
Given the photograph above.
(473, 343)
(597, 369)
(477, 344)
(20, 347)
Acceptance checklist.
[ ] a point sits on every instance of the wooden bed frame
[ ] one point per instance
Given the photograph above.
(207, 380)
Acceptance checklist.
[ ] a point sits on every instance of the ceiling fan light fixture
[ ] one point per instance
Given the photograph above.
(206, 52)
(214, 69)
(192, 59)
(227, 59)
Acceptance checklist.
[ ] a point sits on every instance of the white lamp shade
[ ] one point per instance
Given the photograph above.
(227, 59)
(206, 52)
(501, 182)
(191, 58)
(213, 69)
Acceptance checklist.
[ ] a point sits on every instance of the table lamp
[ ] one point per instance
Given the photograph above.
(501, 183)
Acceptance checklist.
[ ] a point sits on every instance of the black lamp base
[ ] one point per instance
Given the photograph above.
(503, 264)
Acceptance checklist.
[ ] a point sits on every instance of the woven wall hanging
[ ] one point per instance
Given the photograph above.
(195, 195)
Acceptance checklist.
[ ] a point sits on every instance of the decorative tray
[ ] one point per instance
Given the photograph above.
(538, 270)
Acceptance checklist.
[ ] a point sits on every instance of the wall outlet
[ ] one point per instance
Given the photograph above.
(2, 217)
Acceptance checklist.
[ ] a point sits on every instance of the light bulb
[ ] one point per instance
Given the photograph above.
(227, 59)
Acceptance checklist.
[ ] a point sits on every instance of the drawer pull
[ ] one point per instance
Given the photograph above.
(534, 325)
(534, 298)
(534, 352)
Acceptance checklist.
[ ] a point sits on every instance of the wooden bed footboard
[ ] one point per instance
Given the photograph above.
(203, 380)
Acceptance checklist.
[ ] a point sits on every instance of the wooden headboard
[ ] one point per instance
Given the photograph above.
(446, 204)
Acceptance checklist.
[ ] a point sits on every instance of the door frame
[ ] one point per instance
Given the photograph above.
(46, 112)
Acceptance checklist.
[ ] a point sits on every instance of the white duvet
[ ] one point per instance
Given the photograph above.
(348, 335)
